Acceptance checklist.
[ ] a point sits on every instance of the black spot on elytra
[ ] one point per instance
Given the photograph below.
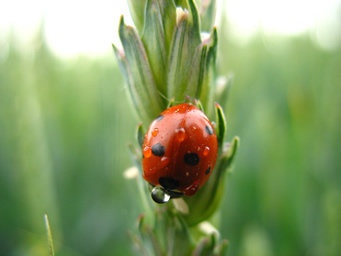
(159, 118)
(208, 171)
(169, 183)
(191, 158)
(209, 130)
(158, 150)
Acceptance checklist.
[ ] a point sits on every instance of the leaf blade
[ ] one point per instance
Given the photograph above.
(139, 76)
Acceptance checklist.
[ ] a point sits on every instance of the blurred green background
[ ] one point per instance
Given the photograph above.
(65, 125)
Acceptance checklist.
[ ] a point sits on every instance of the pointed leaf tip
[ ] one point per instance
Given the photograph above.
(138, 75)
(154, 40)
(137, 12)
(140, 134)
(223, 247)
(221, 125)
(121, 23)
(49, 235)
(229, 153)
(208, 14)
(233, 149)
(195, 17)
(140, 222)
(199, 105)
(183, 53)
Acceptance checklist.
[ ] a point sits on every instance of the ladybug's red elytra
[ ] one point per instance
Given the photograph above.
(179, 151)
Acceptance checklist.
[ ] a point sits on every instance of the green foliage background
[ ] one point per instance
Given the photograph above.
(65, 126)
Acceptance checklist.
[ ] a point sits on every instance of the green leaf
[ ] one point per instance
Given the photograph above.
(168, 15)
(221, 125)
(138, 243)
(182, 240)
(135, 65)
(136, 8)
(182, 3)
(186, 39)
(150, 236)
(205, 246)
(229, 153)
(195, 19)
(143, 192)
(199, 105)
(141, 223)
(169, 234)
(140, 134)
(207, 14)
(197, 72)
(222, 248)
(209, 80)
(154, 41)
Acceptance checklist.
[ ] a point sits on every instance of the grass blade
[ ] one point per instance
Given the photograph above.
(49, 235)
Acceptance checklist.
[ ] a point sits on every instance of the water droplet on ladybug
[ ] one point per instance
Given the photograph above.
(147, 152)
(206, 151)
(155, 132)
(180, 134)
(160, 195)
(164, 160)
(192, 188)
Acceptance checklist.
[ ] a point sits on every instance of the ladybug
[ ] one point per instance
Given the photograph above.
(179, 152)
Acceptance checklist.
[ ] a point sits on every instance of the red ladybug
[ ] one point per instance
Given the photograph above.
(180, 150)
